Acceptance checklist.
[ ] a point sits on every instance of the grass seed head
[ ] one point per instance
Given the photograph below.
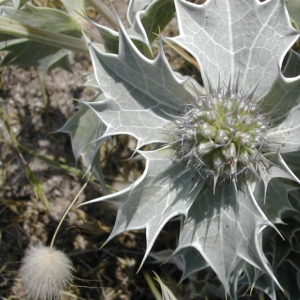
(45, 272)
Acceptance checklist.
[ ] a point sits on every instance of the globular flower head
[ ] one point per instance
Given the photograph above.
(45, 272)
(221, 134)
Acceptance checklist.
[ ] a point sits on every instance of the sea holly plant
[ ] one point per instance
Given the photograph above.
(226, 161)
(220, 156)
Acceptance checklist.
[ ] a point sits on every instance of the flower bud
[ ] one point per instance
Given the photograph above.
(207, 130)
(222, 136)
(243, 138)
(229, 151)
(205, 147)
(244, 156)
(218, 161)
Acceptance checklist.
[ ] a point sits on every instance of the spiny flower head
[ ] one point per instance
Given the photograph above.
(221, 134)
(45, 272)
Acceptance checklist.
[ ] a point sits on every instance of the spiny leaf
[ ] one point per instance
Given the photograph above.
(19, 3)
(45, 57)
(291, 229)
(292, 160)
(291, 282)
(224, 227)
(294, 199)
(140, 94)
(111, 41)
(283, 258)
(193, 261)
(264, 283)
(85, 129)
(282, 97)
(134, 7)
(275, 167)
(231, 37)
(44, 18)
(278, 190)
(147, 19)
(288, 131)
(158, 196)
(149, 23)
(292, 67)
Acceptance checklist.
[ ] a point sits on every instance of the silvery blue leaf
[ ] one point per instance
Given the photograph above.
(230, 37)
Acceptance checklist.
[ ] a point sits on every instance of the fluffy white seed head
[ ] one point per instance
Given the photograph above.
(45, 272)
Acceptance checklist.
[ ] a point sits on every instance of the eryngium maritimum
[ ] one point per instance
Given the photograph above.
(208, 145)
(221, 134)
